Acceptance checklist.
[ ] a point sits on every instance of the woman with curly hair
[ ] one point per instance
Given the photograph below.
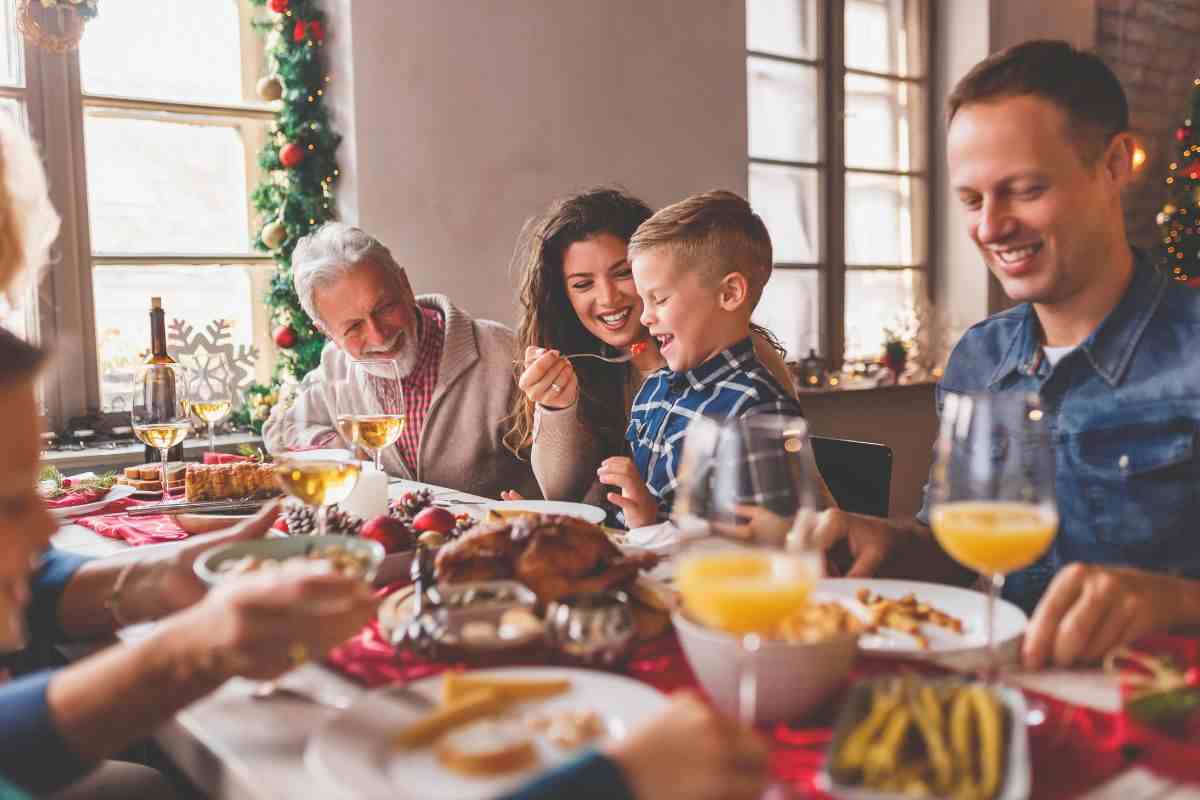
(577, 296)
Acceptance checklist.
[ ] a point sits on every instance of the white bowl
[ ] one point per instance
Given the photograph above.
(792, 678)
(208, 564)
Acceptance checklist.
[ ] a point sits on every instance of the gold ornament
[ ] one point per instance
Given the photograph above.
(70, 28)
(1169, 209)
(269, 88)
(273, 234)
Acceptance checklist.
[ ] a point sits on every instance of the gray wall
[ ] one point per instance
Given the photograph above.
(469, 116)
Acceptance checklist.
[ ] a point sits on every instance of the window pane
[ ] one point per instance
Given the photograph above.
(171, 184)
(790, 308)
(885, 36)
(196, 295)
(183, 52)
(783, 109)
(783, 27)
(885, 219)
(787, 200)
(885, 124)
(11, 71)
(875, 300)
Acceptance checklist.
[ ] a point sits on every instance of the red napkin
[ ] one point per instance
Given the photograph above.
(224, 458)
(134, 530)
(77, 498)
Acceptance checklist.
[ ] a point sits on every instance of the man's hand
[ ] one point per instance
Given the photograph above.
(635, 500)
(724, 760)
(548, 379)
(869, 538)
(1088, 610)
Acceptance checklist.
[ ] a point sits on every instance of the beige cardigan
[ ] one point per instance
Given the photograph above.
(461, 444)
(566, 455)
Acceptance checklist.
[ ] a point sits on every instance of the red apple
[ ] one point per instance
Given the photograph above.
(280, 524)
(434, 518)
(390, 532)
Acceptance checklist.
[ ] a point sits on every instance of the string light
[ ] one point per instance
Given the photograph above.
(1139, 157)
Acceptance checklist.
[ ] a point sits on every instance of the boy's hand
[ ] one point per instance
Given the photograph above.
(635, 500)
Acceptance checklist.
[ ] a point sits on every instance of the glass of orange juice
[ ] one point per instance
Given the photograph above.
(746, 492)
(992, 503)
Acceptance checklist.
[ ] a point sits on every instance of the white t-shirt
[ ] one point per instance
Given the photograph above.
(1055, 354)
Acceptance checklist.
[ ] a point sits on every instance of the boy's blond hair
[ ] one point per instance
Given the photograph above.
(717, 232)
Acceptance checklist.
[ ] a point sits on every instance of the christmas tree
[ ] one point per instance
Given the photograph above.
(1179, 220)
(295, 196)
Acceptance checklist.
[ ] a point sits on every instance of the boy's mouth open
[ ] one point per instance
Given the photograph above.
(664, 341)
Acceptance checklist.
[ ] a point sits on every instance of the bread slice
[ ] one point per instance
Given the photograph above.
(149, 472)
(487, 747)
(134, 473)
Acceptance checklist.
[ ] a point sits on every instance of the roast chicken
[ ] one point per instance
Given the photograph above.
(555, 556)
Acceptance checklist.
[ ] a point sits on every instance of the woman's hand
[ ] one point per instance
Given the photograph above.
(548, 379)
(639, 506)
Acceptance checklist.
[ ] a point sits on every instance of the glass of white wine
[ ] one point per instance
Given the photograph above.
(318, 483)
(210, 403)
(370, 406)
(160, 411)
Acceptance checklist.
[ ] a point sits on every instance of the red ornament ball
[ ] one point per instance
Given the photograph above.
(1192, 677)
(1182, 134)
(291, 154)
(280, 524)
(298, 31)
(285, 337)
(1194, 173)
(279, 6)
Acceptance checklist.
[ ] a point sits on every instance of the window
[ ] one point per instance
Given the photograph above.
(838, 121)
(168, 128)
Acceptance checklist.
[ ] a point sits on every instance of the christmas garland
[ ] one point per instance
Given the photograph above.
(1179, 220)
(296, 194)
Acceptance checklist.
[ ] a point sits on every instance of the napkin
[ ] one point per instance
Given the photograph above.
(134, 530)
(76, 498)
(662, 538)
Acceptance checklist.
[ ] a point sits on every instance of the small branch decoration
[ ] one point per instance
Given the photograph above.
(34, 16)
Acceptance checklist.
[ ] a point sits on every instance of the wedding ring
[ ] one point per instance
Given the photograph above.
(297, 653)
(556, 387)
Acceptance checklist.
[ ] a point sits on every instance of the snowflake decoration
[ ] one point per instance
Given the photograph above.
(216, 368)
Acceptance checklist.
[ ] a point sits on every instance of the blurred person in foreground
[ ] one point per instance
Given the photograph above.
(59, 725)
(1039, 151)
(455, 371)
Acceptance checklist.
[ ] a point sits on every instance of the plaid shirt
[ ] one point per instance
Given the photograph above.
(418, 385)
(730, 384)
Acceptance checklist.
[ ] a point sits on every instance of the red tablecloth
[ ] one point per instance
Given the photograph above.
(1074, 750)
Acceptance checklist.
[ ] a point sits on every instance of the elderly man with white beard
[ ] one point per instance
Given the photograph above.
(456, 371)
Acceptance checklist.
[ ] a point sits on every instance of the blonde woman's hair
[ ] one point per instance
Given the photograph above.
(28, 222)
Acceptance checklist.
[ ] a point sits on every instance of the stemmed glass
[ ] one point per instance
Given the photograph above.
(160, 411)
(747, 486)
(992, 504)
(211, 402)
(370, 406)
(318, 483)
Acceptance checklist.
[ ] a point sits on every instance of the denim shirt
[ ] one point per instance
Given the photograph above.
(1123, 410)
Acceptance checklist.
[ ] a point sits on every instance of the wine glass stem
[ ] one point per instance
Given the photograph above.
(212, 439)
(379, 459)
(995, 584)
(163, 455)
(322, 519)
(748, 679)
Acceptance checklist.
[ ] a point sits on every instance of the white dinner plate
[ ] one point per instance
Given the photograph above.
(117, 492)
(593, 514)
(968, 605)
(354, 750)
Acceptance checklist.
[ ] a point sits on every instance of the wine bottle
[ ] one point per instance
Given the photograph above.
(162, 390)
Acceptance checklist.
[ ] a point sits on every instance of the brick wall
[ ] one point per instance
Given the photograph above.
(1154, 47)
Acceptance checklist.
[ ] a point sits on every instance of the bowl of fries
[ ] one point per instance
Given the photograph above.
(903, 737)
(797, 668)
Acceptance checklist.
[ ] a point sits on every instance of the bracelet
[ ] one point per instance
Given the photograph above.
(113, 601)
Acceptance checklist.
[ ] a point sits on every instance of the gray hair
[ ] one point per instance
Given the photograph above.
(324, 257)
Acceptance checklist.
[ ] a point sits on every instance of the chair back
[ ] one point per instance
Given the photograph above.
(859, 474)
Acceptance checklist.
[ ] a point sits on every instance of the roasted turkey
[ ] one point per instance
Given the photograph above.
(555, 556)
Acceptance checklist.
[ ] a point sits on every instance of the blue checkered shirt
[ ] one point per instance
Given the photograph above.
(732, 383)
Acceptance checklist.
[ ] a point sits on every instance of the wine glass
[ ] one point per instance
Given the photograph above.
(211, 402)
(159, 410)
(370, 406)
(746, 486)
(992, 504)
(317, 482)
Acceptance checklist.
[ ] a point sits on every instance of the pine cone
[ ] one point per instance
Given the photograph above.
(411, 503)
(301, 520)
(342, 522)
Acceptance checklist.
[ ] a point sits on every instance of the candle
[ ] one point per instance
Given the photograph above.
(369, 498)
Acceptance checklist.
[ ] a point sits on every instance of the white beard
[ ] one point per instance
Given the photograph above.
(405, 360)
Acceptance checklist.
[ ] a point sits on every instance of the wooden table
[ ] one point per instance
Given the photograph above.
(234, 746)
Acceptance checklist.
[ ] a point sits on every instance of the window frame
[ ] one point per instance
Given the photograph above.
(55, 104)
(832, 171)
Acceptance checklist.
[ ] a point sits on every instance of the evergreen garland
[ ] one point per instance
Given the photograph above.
(1179, 220)
(295, 196)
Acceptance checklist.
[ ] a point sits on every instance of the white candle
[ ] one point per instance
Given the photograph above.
(369, 498)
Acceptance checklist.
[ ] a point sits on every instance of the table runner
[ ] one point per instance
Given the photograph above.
(1073, 750)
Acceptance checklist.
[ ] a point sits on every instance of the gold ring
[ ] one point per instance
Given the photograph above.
(556, 387)
(297, 653)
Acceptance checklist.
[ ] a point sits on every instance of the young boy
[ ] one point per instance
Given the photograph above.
(700, 266)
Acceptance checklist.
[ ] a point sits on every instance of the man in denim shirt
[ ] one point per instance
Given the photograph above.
(1039, 151)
